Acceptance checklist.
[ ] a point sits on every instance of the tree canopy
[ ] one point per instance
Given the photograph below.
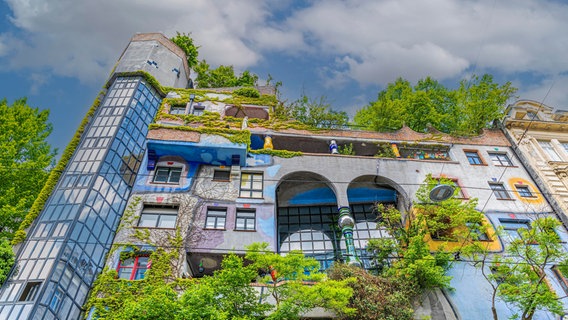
(222, 76)
(428, 104)
(292, 285)
(25, 160)
(185, 42)
(317, 113)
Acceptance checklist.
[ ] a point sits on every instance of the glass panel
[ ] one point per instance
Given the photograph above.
(210, 223)
(124, 273)
(148, 220)
(167, 221)
(175, 175)
(161, 175)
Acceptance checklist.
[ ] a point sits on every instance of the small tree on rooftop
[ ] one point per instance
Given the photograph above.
(185, 42)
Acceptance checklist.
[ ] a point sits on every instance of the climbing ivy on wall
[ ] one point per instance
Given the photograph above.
(55, 174)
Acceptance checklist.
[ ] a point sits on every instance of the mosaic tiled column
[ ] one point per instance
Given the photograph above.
(346, 224)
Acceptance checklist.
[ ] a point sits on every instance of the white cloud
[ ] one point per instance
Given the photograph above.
(367, 41)
(37, 81)
(551, 91)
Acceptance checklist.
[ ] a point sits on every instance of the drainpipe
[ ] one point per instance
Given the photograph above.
(190, 109)
(346, 224)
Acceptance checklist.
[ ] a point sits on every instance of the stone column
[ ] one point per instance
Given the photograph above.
(346, 223)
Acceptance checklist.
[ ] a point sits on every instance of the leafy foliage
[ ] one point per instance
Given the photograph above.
(464, 111)
(185, 42)
(227, 294)
(520, 278)
(247, 92)
(25, 160)
(448, 219)
(6, 259)
(313, 112)
(285, 279)
(375, 297)
(406, 258)
(223, 76)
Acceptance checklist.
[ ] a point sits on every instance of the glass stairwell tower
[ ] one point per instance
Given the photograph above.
(66, 246)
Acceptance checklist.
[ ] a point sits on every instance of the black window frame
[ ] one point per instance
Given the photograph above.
(160, 211)
(221, 175)
(526, 191)
(500, 159)
(30, 291)
(244, 215)
(499, 189)
(216, 213)
(198, 110)
(170, 170)
(178, 108)
(250, 191)
(473, 157)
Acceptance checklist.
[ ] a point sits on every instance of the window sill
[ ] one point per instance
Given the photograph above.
(244, 230)
(480, 165)
(511, 166)
(220, 180)
(215, 229)
(505, 199)
(156, 228)
(164, 183)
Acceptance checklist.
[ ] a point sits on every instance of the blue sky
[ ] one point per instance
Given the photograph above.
(58, 53)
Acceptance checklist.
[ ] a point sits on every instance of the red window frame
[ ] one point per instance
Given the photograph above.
(134, 268)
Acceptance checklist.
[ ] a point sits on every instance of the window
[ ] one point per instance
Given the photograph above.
(473, 158)
(531, 116)
(221, 175)
(56, 300)
(177, 109)
(499, 190)
(564, 145)
(155, 216)
(251, 185)
(511, 227)
(133, 268)
(216, 218)
(524, 191)
(500, 159)
(198, 110)
(167, 175)
(549, 149)
(30, 291)
(246, 219)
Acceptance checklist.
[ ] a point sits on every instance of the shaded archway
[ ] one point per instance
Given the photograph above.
(363, 194)
(307, 217)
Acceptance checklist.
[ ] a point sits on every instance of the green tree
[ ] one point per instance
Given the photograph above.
(25, 160)
(374, 296)
(316, 113)
(464, 111)
(227, 294)
(520, 278)
(453, 219)
(6, 259)
(222, 76)
(406, 257)
(296, 285)
(185, 42)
